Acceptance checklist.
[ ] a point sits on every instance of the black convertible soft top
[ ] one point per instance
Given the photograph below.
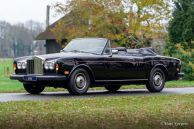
(149, 51)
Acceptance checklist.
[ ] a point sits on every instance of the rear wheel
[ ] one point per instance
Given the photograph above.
(34, 88)
(156, 80)
(79, 82)
(112, 88)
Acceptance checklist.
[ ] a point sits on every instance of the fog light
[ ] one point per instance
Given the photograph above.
(178, 70)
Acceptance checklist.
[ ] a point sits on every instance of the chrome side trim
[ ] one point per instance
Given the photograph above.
(126, 80)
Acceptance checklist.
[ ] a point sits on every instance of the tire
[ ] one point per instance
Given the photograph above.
(112, 88)
(156, 81)
(34, 89)
(79, 82)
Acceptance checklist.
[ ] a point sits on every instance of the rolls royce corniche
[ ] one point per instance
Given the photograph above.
(91, 62)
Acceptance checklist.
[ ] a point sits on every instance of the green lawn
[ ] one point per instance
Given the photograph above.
(4, 64)
(7, 85)
(135, 112)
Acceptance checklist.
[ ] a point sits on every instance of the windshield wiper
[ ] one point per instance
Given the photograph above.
(84, 52)
(74, 51)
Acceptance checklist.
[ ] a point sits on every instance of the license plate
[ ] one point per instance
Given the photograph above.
(30, 78)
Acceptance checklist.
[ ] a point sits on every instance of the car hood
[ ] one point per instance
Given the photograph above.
(55, 56)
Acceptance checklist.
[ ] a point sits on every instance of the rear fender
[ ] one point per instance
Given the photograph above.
(161, 66)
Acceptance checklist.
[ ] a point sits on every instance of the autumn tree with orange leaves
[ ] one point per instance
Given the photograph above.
(130, 23)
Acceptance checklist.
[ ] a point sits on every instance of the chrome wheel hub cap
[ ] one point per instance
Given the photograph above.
(158, 79)
(80, 81)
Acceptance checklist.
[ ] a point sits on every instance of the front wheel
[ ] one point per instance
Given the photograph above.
(79, 82)
(34, 88)
(156, 80)
(112, 88)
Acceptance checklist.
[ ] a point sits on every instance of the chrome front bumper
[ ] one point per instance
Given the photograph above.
(36, 78)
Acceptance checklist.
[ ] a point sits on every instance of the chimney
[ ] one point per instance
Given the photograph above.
(47, 16)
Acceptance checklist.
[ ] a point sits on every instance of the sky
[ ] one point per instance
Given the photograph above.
(15, 11)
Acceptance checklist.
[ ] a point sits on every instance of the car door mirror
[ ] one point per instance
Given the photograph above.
(61, 51)
(115, 51)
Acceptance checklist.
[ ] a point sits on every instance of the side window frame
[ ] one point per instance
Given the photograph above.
(108, 46)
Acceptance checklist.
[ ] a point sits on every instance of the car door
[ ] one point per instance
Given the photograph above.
(140, 67)
(110, 66)
(99, 67)
(117, 67)
(120, 67)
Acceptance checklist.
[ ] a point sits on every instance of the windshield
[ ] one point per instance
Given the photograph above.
(95, 46)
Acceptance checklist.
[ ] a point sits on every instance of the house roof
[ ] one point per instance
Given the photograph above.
(48, 34)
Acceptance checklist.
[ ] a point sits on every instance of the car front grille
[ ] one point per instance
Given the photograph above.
(30, 66)
(35, 66)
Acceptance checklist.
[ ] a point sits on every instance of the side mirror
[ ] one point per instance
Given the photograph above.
(115, 51)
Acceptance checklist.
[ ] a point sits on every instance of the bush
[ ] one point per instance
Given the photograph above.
(187, 58)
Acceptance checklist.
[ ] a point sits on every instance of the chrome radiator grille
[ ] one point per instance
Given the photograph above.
(35, 66)
(30, 66)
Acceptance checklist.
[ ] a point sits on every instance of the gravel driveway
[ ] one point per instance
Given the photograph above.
(6, 97)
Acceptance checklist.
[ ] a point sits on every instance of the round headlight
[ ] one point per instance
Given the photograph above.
(19, 65)
(24, 65)
(51, 66)
(46, 65)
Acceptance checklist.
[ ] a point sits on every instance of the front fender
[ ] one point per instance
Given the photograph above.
(86, 67)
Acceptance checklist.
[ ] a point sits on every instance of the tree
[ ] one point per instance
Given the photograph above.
(181, 26)
(113, 19)
(17, 40)
(145, 19)
(181, 35)
(84, 17)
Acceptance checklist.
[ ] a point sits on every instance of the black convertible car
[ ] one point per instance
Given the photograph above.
(90, 62)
